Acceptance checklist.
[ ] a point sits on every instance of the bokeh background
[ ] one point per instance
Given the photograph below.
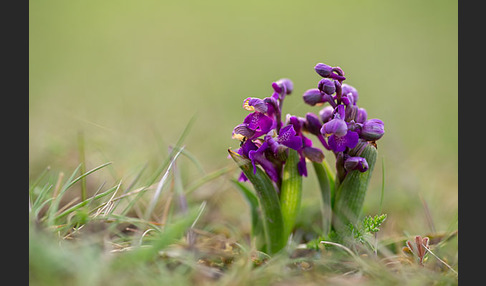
(129, 76)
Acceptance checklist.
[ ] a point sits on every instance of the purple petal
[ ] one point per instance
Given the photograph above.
(242, 177)
(296, 122)
(340, 112)
(339, 143)
(286, 132)
(242, 131)
(312, 123)
(272, 143)
(252, 104)
(326, 113)
(302, 167)
(270, 169)
(361, 116)
(294, 143)
(352, 139)
(288, 138)
(246, 147)
(336, 126)
(313, 154)
(258, 122)
(348, 89)
(283, 85)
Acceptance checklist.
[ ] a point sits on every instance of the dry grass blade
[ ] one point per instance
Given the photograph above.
(442, 261)
(161, 183)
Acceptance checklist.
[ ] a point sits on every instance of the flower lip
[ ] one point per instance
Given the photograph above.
(258, 122)
(340, 143)
(289, 138)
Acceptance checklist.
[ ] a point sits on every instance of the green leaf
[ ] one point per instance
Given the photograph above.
(326, 188)
(290, 192)
(273, 224)
(351, 192)
(252, 199)
(372, 224)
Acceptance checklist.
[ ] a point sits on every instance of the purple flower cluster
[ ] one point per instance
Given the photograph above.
(341, 126)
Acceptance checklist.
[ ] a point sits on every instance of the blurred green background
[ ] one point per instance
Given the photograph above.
(129, 75)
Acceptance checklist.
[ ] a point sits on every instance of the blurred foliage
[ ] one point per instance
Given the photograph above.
(131, 74)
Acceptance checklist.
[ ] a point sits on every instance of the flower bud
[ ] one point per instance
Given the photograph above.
(313, 154)
(326, 113)
(284, 85)
(347, 90)
(327, 86)
(312, 96)
(295, 121)
(323, 69)
(312, 123)
(356, 163)
(351, 112)
(361, 115)
(372, 130)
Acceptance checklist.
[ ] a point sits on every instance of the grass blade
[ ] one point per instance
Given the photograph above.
(70, 182)
(174, 149)
(87, 201)
(161, 184)
(170, 234)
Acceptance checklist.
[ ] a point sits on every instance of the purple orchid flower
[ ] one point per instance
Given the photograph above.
(340, 126)
(287, 137)
(340, 136)
(259, 122)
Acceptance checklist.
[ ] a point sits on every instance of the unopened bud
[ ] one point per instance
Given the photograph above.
(327, 86)
(356, 163)
(372, 130)
(312, 97)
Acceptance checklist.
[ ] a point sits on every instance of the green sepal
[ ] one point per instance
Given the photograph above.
(268, 199)
(290, 191)
(351, 193)
(326, 187)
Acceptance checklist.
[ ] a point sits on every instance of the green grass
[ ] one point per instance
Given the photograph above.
(134, 233)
